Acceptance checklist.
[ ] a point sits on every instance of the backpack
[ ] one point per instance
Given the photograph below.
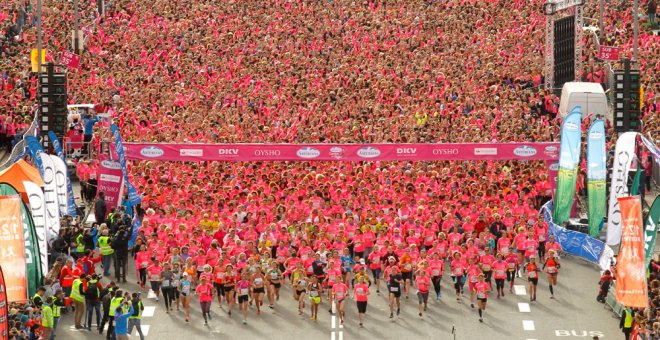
(92, 292)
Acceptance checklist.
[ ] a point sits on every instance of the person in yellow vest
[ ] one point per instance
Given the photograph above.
(38, 298)
(57, 302)
(626, 323)
(114, 304)
(134, 320)
(47, 320)
(78, 301)
(107, 252)
(80, 245)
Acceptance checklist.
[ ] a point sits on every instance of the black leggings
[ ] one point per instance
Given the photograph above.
(499, 283)
(458, 283)
(510, 275)
(143, 276)
(488, 275)
(541, 250)
(168, 296)
(436, 283)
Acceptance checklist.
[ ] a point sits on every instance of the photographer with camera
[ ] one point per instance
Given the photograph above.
(134, 320)
(120, 246)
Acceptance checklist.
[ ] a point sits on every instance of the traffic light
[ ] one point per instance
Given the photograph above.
(53, 102)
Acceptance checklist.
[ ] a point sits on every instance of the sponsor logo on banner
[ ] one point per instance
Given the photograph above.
(267, 152)
(554, 166)
(337, 152)
(445, 151)
(308, 152)
(571, 126)
(551, 150)
(191, 152)
(109, 164)
(228, 152)
(525, 151)
(368, 152)
(152, 152)
(485, 151)
(111, 178)
(596, 135)
(406, 151)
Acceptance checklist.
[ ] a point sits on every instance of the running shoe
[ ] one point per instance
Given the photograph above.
(391, 315)
(481, 320)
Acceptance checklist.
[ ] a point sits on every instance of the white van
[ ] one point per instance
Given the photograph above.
(589, 96)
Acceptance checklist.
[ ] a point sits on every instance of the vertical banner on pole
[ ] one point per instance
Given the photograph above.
(12, 248)
(651, 229)
(71, 202)
(596, 176)
(60, 184)
(631, 289)
(50, 199)
(569, 158)
(38, 212)
(33, 264)
(623, 156)
(133, 196)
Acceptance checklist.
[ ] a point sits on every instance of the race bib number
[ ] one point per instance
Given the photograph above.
(339, 295)
(481, 295)
(486, 267)
(500, 273)
(314, 293)
(360, 291)
(473, 279)
(145, 264)
(166, 283)
(408, 267)
(394, 289)
(457, 272)
(436, 272)
(155, 277)
(511, 265)
(552, 269)
(532, 275)
(244, 291)
(541, 238)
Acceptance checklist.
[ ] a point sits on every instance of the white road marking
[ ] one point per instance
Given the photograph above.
(341, 335)
(528, 325)
(332, 335)
(333, 323)
(523, 307)
(520, 289)
(148, 311)
(151, 294)
(145, 331)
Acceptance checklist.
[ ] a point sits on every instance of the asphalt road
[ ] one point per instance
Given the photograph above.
(573, 314)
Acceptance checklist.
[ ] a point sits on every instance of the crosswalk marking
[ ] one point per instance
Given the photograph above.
(528, 325)
(520, 289)
(523, 307)
(148, 311)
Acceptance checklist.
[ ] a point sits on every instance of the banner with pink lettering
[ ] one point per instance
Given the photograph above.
(110, 178)
(553, 172)
(342, 152)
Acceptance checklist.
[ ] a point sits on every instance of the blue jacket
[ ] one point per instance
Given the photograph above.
(121, 322)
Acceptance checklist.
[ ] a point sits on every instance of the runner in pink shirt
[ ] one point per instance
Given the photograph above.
(361, 293)
(339, 295)
(205, 293)
(499, 269)
(481, 289)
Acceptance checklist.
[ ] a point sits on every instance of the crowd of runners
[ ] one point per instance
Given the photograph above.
(322, 71)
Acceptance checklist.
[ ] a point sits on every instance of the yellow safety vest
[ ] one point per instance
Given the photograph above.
(114, 303)
(56, 310)
(105, 246)
(81, 246)
(75, 291)
(47, 319)
(628, 321)
(139, 315)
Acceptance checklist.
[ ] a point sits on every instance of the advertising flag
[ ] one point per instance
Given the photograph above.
(50, 199)
(71, 202)
(110, 181)
(569, 158)
(36, 150)
(38, 212)
(12, 248)
(33, 259)
(623, 157)
(631, 289)
(133, 196)
(651, 229)
(60, 184)
(596, 176)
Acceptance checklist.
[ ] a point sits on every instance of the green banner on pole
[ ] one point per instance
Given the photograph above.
(651, 229)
